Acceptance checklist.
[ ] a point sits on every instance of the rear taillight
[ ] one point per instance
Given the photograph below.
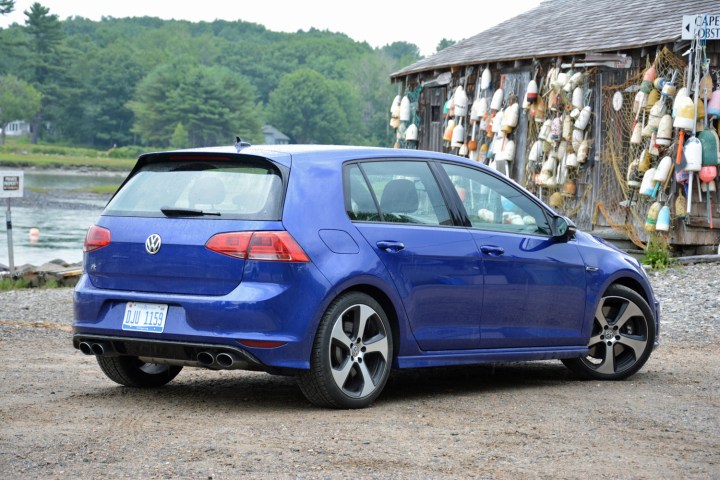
(269, 246)
(97, 237)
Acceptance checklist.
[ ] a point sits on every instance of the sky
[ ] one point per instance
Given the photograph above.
(376, 22)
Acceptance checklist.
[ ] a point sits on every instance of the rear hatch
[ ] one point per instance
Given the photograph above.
(155, 234)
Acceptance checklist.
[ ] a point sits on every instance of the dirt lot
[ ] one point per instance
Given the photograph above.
(60, 417)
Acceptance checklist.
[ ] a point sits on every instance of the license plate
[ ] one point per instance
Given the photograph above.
(144, 317)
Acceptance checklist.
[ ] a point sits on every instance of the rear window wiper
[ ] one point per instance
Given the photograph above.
(186, 212)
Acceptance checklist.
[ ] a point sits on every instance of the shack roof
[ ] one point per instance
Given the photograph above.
(569, 27)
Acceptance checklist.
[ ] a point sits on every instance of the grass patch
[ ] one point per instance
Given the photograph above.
(98, 189)
(20, 153)
(657, 254)
(10, 284)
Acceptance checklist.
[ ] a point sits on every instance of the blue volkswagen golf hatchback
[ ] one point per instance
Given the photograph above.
(338, 264)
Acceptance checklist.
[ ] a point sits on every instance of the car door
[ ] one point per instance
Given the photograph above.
(534, 283)
(399, 208)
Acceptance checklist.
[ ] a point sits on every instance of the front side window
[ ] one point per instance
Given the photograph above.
(492, 204)
(249, 190)
(398, 192)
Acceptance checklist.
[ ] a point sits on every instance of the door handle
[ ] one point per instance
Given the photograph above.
(390, 246)
(492, 250)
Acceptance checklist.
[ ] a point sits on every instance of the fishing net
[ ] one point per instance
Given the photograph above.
(621, 206)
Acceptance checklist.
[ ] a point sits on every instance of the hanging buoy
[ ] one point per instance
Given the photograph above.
(685, 117)
(405, 109)
(532, 92)
(448, 135)
(569, 188)
(682, 94)
(508, 151)
(640, 102)
(497, 99)
(485, 79)
(651, 217)
(713, 108)
(708, 173)
(665, 131)
(583, 151)
(556, 200)
(661, 173)
(663, 219)
(709, 141)
(680, 210)
(458, 136)
(705, 89)
(556, 129)
(545, 131)
(693, 154)
(497, 121)
(536, 151)
(567, 128)
(653, 98)
(411, 133)
(560, 81)
(461, 101)
(482, 153)
(395, 107)
(650, 74)
(571, 158)
(584, 118)
(633, 176)
(577, 138)
(577, 98)
(647, 185)
(540, 110)
(510, 118)
(562, 149)
(668, 90)
(644, 161)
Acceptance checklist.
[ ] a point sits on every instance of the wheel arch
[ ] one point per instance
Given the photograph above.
(634, 285)
(388, 306)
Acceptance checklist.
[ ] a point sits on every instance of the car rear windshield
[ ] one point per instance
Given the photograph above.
(248, 190)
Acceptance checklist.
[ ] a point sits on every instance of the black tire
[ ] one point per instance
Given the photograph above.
(622, 338)
(132, 372)
(352, 354)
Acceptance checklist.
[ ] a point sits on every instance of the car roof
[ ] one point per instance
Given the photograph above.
(285, 154)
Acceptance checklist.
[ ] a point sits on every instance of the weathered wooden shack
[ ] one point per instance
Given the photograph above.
(612, 45)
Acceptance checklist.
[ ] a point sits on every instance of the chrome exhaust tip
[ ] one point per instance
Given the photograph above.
(226, 360)
(205, 359)
(86, 348)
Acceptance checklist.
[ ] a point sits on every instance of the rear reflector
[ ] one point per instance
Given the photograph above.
(268, 246)
(261, 343)
(97, 237)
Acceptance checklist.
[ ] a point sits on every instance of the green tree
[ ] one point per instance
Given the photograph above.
(313, 109)
(46, 61)
(212, 103)
(6, 6)
(18, 101)
(444, 43)
(180, 138)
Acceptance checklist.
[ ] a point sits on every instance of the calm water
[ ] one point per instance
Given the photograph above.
(62, 214)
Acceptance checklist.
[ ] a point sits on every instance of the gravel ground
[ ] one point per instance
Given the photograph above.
(60, 417)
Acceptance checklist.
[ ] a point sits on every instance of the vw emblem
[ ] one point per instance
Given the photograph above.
(153, 243)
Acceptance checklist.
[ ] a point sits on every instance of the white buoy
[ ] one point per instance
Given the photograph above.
(577, 98)
(485, 79)
(405, 109)
(461, 102)
(584, 118)
(497, 99)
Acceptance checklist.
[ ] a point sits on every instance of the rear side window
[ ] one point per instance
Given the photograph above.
(248, 190)
(406, 192)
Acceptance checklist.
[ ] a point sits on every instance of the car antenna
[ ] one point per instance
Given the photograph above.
(240, 143)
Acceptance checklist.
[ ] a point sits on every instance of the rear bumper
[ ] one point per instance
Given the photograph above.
(173, 353)
(286, 312)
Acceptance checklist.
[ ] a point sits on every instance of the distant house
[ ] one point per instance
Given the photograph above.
(17, 128)
(273, 136)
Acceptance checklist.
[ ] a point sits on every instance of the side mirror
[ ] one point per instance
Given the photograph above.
(564, 228)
